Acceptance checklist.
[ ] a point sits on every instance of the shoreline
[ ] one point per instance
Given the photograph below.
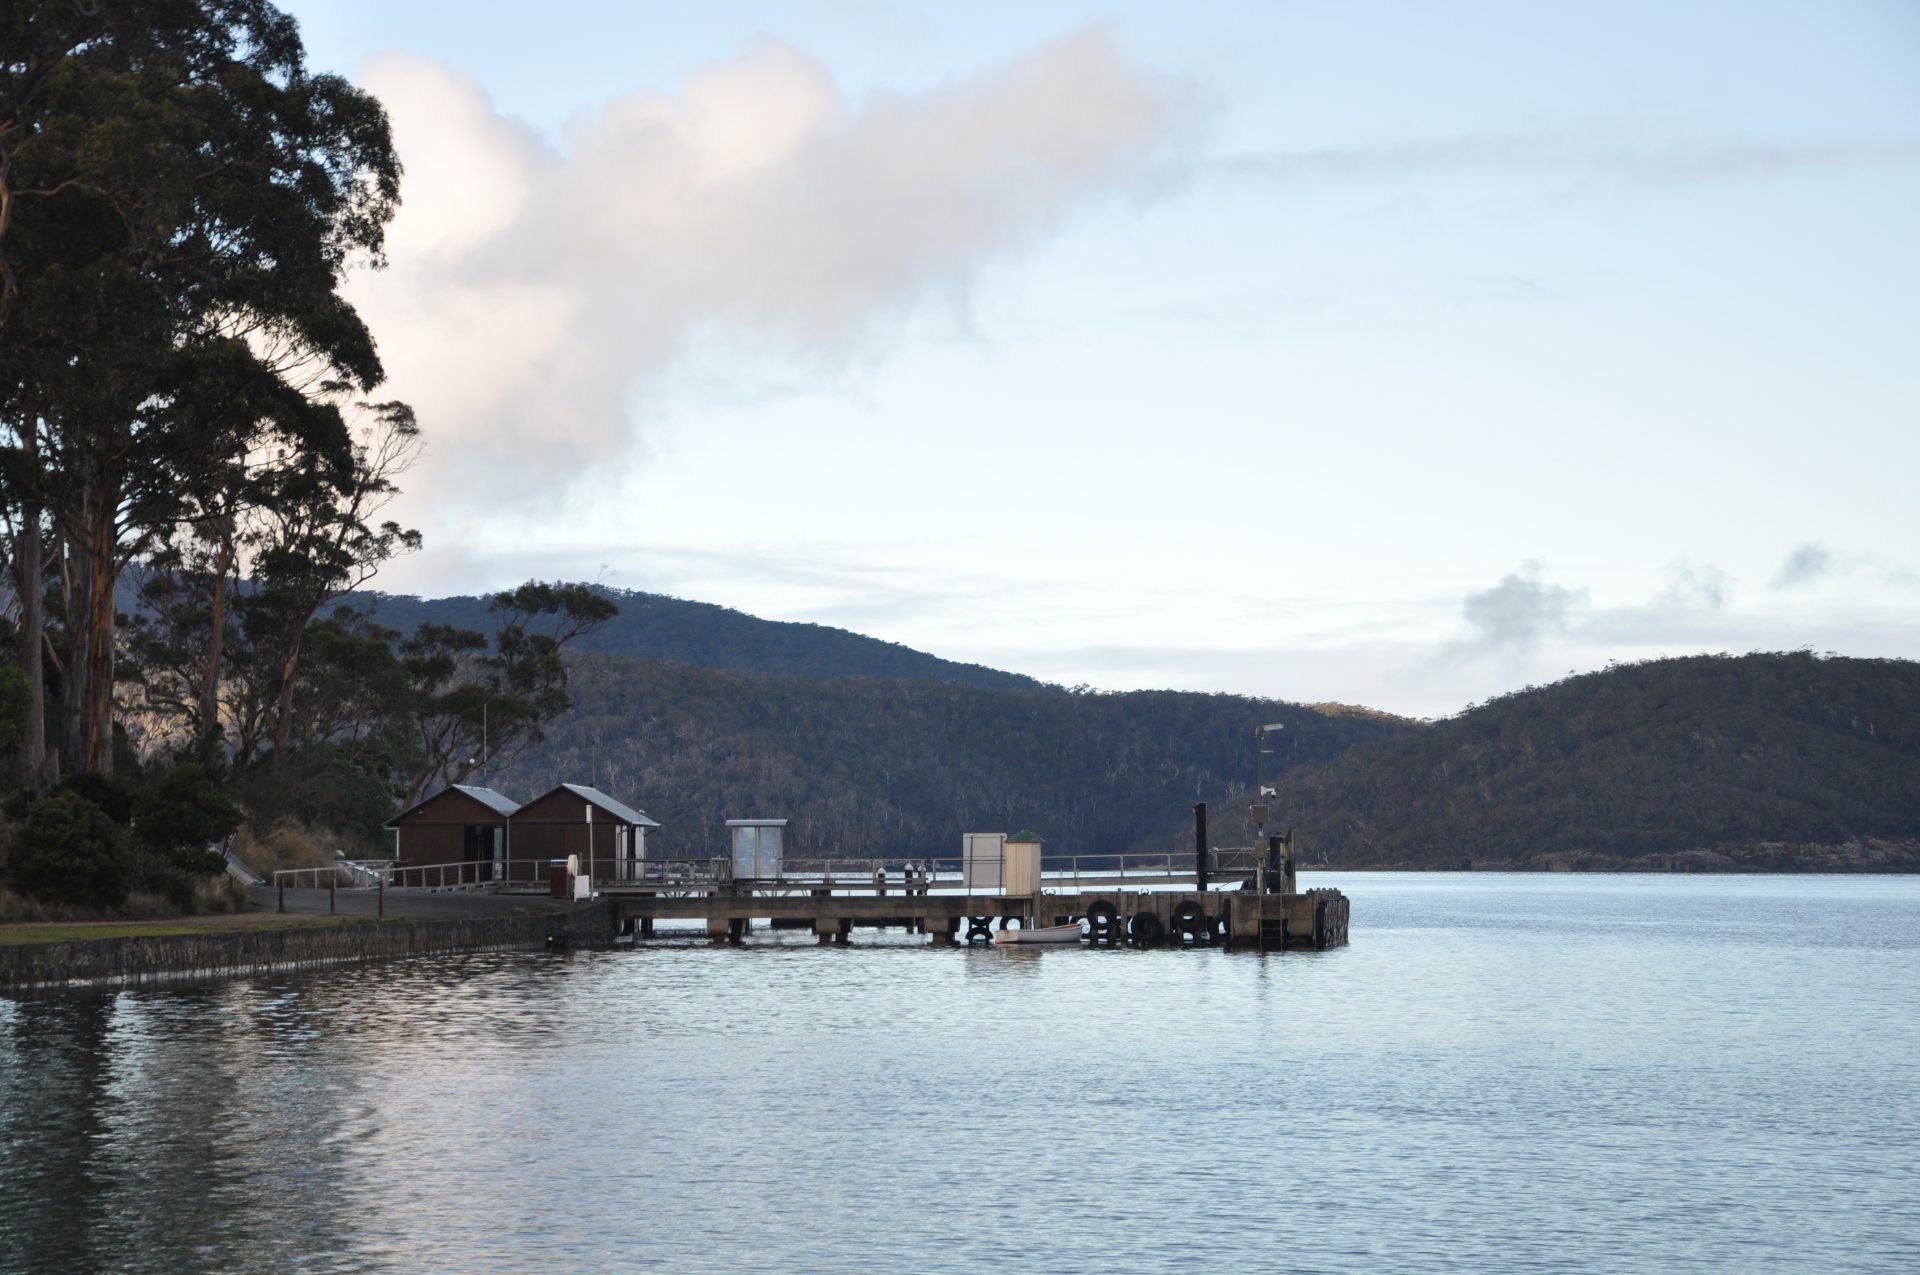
(214, 954)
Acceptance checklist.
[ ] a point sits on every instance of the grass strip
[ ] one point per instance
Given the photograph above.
(82, 931)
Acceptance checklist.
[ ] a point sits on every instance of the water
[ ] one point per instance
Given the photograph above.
(1517, 1073)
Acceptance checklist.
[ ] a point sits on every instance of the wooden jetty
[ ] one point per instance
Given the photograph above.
(1247, 897)
(1166, 903)
(1245, 917)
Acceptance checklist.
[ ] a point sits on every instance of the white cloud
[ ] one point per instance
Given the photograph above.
(1517, 613)
(1523, 155)
(534, 291)
(1805, 565)
(1695, 587)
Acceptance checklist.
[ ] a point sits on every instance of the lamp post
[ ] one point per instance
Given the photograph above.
(1260, 791)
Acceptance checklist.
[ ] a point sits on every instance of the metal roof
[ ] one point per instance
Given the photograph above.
(620, 811)
(1027, 835)
(485, 796)
(488, 797)
(756, 823)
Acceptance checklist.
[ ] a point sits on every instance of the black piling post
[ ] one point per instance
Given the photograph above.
(283, 894)
(383, 894)
(1200, 846)
(333, 895)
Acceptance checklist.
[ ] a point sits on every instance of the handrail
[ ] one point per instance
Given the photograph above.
(917, 872)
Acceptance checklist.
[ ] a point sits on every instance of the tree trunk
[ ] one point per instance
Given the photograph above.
(216, 643)
(74, 591)
(283, 707)
(102, 575)
(88, 693)
(30, 581)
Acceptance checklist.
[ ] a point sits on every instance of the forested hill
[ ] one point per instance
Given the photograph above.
(869, 766)
(1712, 762)
(652, 626)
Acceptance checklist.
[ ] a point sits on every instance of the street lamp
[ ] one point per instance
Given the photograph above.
(1260, 790)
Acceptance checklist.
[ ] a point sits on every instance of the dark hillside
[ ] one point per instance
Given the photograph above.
(869, 766)
(1758, 758)
(651, 626)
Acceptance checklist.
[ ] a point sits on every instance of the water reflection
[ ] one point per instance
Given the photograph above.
(1521, 1074)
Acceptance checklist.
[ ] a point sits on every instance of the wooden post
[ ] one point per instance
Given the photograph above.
(282, 883)
(383, 894)
(333, 897)
(1200, 846)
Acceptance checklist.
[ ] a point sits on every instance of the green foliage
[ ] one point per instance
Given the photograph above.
(184, 809)
(70, 851)
(177, 816)
(323, 785)
(110, 796)
(477, 704)
(183, 201)
(1642, 759)
(13, 717)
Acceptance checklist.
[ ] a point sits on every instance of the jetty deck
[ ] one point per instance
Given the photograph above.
(1224, 897)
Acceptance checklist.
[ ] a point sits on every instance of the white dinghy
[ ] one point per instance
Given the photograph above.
(1042, 934)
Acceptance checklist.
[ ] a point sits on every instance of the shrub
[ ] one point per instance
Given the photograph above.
(69, 851)
(320, 786)
(177, 816)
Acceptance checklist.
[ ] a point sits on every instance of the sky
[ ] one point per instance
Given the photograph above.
(1392, 354)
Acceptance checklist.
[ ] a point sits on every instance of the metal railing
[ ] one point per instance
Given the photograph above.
(1068, 871)
(339, 875)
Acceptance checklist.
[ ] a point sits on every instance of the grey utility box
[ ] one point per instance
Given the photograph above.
(759, 847)
(983, 861)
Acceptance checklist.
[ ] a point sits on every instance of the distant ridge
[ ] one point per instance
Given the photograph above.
(897, 766)
(653, 626)
(1763, 762)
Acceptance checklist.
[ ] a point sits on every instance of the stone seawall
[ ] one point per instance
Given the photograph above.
(130, 962)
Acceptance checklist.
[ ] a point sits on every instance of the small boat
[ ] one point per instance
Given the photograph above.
(1044, 934)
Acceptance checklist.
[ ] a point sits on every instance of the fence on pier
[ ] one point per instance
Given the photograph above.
(691, 875)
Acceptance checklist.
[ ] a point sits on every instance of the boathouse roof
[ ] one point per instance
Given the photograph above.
(487, 797)
(594, 797)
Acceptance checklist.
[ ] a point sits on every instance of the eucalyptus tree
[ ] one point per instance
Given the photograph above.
(480, 703)
(180, 200)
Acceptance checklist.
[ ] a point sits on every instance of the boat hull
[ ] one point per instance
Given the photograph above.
(1044, 934)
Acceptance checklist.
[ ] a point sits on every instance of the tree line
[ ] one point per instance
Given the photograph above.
(195, 461)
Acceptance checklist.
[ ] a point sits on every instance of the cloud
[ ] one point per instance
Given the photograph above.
(536, 291)
(1513, 155)
(1805, 565)
(1514, 615)
(1695, 587)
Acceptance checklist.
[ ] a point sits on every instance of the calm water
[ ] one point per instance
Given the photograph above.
(1501, 1074)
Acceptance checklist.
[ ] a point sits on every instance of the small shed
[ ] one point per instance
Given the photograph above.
(458, 824)
(609, 836)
